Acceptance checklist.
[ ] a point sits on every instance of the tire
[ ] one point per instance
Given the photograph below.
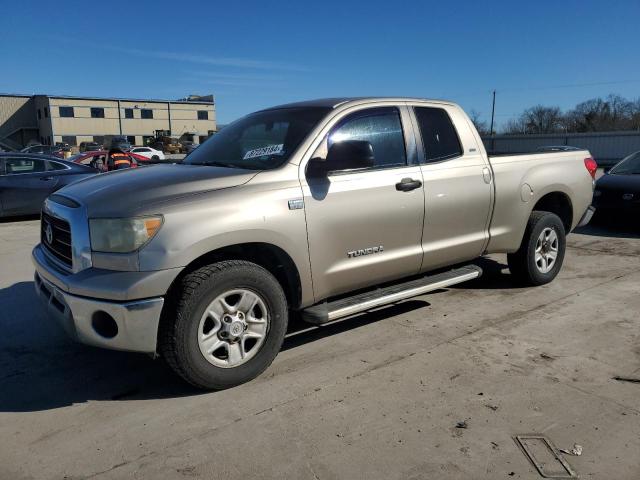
(526, 266)
(187, 327)
(155, 158)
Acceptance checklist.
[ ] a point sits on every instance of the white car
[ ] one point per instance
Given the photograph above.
(150, 153)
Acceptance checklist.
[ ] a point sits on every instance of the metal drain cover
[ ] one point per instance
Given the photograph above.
(544, 456)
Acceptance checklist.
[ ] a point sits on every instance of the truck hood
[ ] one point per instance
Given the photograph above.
(126, 192)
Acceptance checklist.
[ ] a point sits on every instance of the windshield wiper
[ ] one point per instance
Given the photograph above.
(217, 164)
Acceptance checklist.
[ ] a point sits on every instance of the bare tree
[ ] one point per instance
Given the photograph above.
(611, 113)
(515, 126)
(598, 115)
(538, 119)
(541, 119)
(480, 124)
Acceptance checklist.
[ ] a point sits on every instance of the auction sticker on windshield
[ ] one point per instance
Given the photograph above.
(268, 150)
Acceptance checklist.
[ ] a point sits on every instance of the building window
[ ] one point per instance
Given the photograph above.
(203, 115)
(131, 139)
(202, 138)
(128, 113)
(146, 113)
(39, 114)
(46, 112)
(97, 112)
(70, 139)
(66, 112)
(99, 139)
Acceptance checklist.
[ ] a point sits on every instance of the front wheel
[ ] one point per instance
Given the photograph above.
(227, 326)
(541, 253)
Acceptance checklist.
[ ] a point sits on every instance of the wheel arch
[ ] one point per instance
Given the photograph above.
(559, 203)
(269, 256)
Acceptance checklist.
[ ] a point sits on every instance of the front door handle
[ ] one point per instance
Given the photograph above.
(408, 184)
(46, 179)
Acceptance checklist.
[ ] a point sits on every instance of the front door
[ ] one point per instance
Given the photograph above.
(364, 227)
(25, 184)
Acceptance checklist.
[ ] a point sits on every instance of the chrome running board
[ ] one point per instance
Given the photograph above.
(333, 310)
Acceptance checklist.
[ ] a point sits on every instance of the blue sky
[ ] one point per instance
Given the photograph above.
(252, 55)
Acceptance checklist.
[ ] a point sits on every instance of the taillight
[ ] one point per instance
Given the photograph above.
(592, 166)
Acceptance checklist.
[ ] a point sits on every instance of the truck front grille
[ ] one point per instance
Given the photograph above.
(55, 236)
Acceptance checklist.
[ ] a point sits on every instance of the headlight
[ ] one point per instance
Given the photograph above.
(122, 235)
(597, 193)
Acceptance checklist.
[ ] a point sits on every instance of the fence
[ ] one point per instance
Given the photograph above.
(606, 147)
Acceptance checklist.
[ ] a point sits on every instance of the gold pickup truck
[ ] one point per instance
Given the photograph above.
(325, 208)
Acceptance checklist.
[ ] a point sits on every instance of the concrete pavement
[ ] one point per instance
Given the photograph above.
(375, 396)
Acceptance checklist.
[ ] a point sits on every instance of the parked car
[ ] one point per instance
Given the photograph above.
(148, 152)
(55, 150)
(557, 148)
(26, 179)
(188, 146)
(167, 145)
(116, 141)
(379, 199)
(89, 146)
(617, 193)
(99, 159)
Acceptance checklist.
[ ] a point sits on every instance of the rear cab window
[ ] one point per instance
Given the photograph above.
(440, 139)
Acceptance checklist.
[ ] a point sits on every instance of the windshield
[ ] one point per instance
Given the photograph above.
(628, 166)
(260, 141)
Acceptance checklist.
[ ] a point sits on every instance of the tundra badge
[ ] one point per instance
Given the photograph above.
(365, 251)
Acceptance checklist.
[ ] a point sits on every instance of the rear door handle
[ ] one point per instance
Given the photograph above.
(408, 184)
(46, 179)
(486, 175)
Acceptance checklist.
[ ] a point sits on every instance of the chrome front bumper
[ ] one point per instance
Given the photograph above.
(129, 326)
(117, 322)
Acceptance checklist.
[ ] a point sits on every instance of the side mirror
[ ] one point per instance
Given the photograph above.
(346, 155)
(350, 154)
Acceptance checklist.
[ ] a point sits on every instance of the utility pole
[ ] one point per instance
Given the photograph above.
(493, 112)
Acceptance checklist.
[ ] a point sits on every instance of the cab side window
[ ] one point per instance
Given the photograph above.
(52, 166)
(439, 137)
(15, 166)
(382, 128)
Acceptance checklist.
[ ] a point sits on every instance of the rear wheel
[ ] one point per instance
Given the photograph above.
(227, 326)
(541, 253)
(155, 157)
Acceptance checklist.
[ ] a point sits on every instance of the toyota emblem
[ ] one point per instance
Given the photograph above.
(627, 196)
(48, 233)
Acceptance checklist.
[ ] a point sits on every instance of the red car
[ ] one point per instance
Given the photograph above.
(100, 157)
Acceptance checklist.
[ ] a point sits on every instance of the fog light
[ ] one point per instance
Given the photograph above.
(104, 324)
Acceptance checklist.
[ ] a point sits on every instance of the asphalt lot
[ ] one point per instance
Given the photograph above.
(376, 396)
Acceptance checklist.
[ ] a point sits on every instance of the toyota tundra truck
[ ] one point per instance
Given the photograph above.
(318, 210)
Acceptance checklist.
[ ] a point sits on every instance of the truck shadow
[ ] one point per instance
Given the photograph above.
(41, 369)
(20, 218)
(612, 229)
(495, 275)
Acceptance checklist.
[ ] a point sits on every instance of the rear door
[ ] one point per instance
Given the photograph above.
(363, 228)
(457, 184)
(25, 184)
